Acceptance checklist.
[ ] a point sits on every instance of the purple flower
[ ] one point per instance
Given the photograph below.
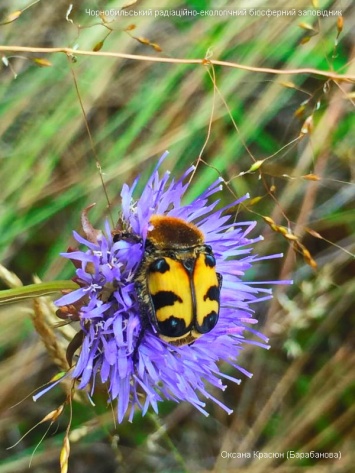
(122, 348)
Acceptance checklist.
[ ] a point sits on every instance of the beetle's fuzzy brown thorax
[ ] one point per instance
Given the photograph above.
(173, 232)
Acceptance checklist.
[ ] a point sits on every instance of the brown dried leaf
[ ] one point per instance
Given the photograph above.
(91, 233)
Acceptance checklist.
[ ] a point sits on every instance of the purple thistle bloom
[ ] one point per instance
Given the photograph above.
(139, 368)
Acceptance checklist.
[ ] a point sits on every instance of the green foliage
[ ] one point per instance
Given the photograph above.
(302, 391)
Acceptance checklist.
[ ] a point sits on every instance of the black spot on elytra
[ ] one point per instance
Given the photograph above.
(212, 294)
(209, 321)
(159, 266)
(164, 298)
(173, 327)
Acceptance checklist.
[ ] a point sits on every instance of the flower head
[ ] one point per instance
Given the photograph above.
(120, 345)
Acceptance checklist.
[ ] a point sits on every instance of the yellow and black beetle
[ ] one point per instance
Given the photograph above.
(177, 284)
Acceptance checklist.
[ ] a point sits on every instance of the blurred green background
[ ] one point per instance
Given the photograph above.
(301, 397)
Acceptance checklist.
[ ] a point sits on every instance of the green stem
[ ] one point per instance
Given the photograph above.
(35, 290)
